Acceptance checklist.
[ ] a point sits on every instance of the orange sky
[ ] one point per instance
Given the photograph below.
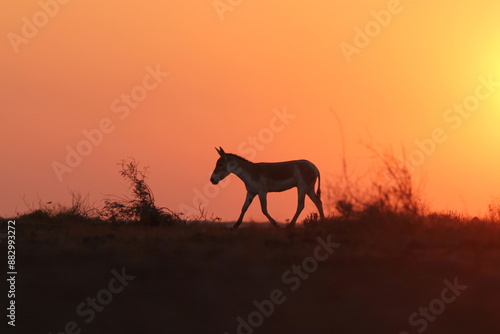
(229, 73)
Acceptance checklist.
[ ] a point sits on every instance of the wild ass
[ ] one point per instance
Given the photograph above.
(261, 178)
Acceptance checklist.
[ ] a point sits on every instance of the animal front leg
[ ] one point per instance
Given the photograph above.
(248, 201)
(263, 205)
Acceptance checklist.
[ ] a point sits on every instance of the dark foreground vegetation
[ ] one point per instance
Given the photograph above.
(381, 265)
(376, 274)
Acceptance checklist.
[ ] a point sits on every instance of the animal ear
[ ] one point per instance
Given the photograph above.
(221, 151)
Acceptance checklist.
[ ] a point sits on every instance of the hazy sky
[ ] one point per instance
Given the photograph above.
(166, 81)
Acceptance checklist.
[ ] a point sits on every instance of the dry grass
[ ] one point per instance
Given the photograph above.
(198, 278)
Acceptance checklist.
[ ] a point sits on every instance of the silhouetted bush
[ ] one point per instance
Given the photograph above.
(389, 190)
(80, 210)
(141, 207)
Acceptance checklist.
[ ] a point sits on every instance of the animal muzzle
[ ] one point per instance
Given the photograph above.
(214, 180)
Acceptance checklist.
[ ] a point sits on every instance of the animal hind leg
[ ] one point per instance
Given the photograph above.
(312, 195)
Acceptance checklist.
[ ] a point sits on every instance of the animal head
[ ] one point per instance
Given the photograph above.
(223, 167)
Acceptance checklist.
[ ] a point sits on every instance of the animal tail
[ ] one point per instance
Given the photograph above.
(318, 192)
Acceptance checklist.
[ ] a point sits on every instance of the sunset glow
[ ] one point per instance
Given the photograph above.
(86, 84)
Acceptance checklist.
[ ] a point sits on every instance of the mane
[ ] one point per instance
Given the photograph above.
(237, 157)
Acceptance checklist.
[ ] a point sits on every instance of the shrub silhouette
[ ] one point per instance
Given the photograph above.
(80, 210)
(388, 190)
(141, 207)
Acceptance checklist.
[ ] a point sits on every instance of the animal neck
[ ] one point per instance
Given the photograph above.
(241, 168)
